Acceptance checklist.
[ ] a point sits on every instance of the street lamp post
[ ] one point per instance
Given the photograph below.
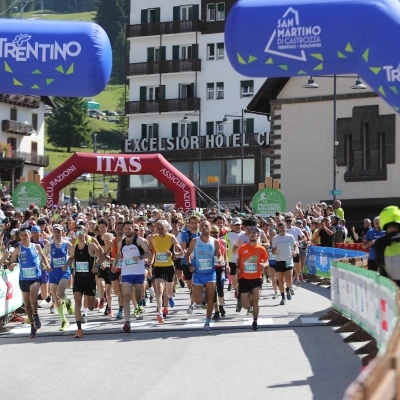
(186, 120)
(357, 86)
(225, 121)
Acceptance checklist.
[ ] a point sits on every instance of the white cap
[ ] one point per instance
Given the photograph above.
(236, 221)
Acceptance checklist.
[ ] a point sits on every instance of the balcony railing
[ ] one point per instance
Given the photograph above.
(163, 28)
(164, 67)
(16, 127)
(21, 100)
(33, 159)
(158, 106)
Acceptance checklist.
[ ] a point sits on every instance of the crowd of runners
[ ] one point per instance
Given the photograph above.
(144, 255)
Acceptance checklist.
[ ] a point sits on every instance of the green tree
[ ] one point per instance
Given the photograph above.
(68, 126)
(124, 121)
(110, 16)
(120, 53)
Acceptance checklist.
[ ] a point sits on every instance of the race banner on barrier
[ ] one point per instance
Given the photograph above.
(10, 294)
(366, 298)
(318, 259)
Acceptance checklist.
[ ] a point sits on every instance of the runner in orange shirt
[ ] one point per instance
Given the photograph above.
(252, 258)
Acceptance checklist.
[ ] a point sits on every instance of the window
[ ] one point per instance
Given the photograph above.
(182, 166)
(153, 93)
(149, 131)
(13, 142)
(13, 114)
(208, 168)
(211, 51)
(185, 52)
(143, 181)
(210, 128)
(233, 171)
(220, 90)
(210, 91)
(267, 166)
(220, 128)
(348, 153)
(210, 12)
(246, 88)
(381, 151)
(220, 11)
(220, 51)
(186, 91)
(150, 15)
(185, 130)
(186, 13)
(35, 121)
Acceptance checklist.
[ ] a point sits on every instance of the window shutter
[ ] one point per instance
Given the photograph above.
(157, 14)
(176, 13)
(195, 11)
(236, 126)
(162, 92)
(155, 130)
(143, 19)
(175, 52)
(210, 128)
(144, 131)
(163, 53)
(143, 93)
(175, 127)
(194, 128)
(150, 54)
(250, 125)
(195, 48)
(191, 90)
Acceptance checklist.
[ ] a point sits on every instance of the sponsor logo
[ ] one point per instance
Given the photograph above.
(118, 164)
(10, 291)
(392, 73)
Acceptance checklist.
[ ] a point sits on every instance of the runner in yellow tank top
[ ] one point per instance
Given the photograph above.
(165, 248)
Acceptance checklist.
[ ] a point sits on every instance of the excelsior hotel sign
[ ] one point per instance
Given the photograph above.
(193, 142)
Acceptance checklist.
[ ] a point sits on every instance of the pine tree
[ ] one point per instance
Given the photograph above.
(124, 121)
(68, 126)
(120, 53)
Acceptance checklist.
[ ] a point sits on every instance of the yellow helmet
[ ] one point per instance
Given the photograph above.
(389, 215)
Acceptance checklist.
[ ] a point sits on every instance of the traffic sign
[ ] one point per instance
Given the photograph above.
(335, 192)
(212, 179)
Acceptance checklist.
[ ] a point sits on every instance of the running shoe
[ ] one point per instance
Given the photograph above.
(17, 318)
(141, 310)
(176, 289)
(152, 292)
(276, 295)
(171, 302)
(70, 309)
(109, 312)
(292, 291)
(250, 311)
(136, 312)
(78, 334)
(52, 309)
(48, 299)
(64, 326)
(28, 321)
(160, 318)
(222, 311)
(105, 310)
(33, 332)
(229, 287)
(119, 315)
(146, 301)
(102, 301)
(165, 311)
(216, 316)
(207, 329)
(288, 295)
(190, 310)
(239, 306)
(182, 283)
(36, 321)
(84, 318)
(255, 326)
(296, 282)
(282, 303)
(127, 327)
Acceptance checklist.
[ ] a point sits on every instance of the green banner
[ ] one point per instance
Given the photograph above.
(28, 193)
(268, 201)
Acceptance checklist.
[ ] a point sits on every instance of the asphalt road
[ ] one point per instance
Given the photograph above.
(293, 356)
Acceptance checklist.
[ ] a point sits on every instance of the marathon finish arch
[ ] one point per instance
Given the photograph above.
(121, 164)
(53, 58)
(282, 38)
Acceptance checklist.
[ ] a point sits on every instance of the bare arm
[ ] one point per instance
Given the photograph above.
(14, 255)
(44, 259)
(145, 246)
(189, 252)
(177, 247)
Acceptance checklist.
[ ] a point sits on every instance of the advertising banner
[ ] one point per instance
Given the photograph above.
(267, 201)
(10, 294)
(366, 298)
(318, 259)
(29, 193)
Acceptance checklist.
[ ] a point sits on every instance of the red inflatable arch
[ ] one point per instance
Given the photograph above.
(121, 164)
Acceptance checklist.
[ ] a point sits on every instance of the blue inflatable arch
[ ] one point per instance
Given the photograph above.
(282, 38)
(57, 58)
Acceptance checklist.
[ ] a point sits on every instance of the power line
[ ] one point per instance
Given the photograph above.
(16, 1)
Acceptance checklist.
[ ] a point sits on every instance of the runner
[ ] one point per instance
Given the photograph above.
(285, 247)
(231, 238)
(61, 258)
(192, 231)
(29, 255)
(204, 248)
(166, 248)
(178, 263)
(251, 261)
(133, 250)
(84, 254)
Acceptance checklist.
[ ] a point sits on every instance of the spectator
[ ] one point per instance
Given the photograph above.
(369, 241)
(326, 232)
(337, 205)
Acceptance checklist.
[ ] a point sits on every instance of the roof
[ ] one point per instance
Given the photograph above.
(48, 101)
(268, 91)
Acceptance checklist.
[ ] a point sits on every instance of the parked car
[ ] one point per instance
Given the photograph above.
(113, 180)
(112, 119)
(96, 113)
(85, 177)
(110, 112)
(67, 200)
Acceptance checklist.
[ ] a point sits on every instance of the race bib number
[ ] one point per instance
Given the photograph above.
(250, 267)
(204, 264)
(58, 262)
(29, 273)
(121, 261)
(162, 257)
(82, 266)
(129, 262)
